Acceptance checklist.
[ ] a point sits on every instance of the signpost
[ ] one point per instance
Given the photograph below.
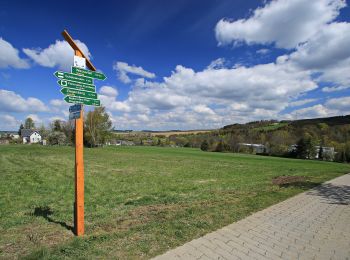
(74, 115)
(88, 73)
(78, 93)
(73, 77)
(79, 89)
(81, 100)
(76, 85)
(75, 108)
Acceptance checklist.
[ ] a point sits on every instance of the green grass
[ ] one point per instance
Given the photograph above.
(139, 201)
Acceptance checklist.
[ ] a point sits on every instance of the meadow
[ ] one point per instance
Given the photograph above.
(139, 201)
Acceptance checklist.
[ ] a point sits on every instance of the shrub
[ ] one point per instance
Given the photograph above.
(204, 145)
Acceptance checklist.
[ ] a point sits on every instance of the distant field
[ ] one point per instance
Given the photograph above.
(140, 201)
(165, 133)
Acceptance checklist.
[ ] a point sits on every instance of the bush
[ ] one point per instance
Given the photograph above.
(204, 146)
(57, 138)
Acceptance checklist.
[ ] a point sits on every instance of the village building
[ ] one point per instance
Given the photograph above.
(256, 148)
(30, 136)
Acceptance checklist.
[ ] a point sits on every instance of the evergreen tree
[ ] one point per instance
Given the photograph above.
(20, 128)
(320, 153)
(301, 150)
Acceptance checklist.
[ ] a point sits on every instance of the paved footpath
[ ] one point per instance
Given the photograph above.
(312, 225)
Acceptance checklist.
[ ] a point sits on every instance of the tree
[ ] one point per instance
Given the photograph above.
(306, 148)
(97, 127)
(43, 132)
(29, 123)
(219, 147)
(301, 149)
(279, 142)
(57, 138)
(320, 153)
(20, 129)
(56, 125)
(68, 130)
(204, 146)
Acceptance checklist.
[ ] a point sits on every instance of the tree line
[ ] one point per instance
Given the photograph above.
(97, 129)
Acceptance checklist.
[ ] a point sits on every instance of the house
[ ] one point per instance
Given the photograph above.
(327, 152)
(257, 148)
(31, 136)
(121, 143)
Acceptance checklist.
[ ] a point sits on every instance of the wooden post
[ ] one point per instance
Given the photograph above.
(79, 148)
(79, 171)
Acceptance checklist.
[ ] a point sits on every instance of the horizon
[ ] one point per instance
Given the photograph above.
(179, 65)
(212, 129)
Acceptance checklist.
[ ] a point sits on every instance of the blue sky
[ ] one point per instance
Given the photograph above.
(179, 64)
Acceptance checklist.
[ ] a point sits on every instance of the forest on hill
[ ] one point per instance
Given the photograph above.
(319, 138)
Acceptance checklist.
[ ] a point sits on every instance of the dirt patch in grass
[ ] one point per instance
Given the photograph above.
(22, 240)
(147, 213)
(286, 180)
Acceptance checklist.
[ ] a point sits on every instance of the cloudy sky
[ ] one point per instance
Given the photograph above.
(179, 64)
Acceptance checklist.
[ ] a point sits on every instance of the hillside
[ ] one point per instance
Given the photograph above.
(274, 124)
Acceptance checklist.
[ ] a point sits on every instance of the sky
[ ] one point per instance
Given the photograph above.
(198, 64)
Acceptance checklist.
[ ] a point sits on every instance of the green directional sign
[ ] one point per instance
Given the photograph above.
(73, 77)
(81, 100)
(76, 85)
(88, 73)
(78, 93)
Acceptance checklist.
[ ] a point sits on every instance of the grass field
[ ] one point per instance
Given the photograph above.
(139, 201)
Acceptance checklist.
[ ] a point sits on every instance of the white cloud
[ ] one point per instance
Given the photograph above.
(112, 104)
(124, 68)
(315, 111)
(109, 91)
(37, 120)
(143, 117)
(217, 64)
(262, 86)
(341, 104)
(9, 56)
(58, 102)
(53, 118)
(222, 96)
(286, 23)
(263, 51)
(326, 54)
(334, 89)
(60, 54)
(12, 102)
(302, 102)
(203, 109)
(8, 122)
(332, 107)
